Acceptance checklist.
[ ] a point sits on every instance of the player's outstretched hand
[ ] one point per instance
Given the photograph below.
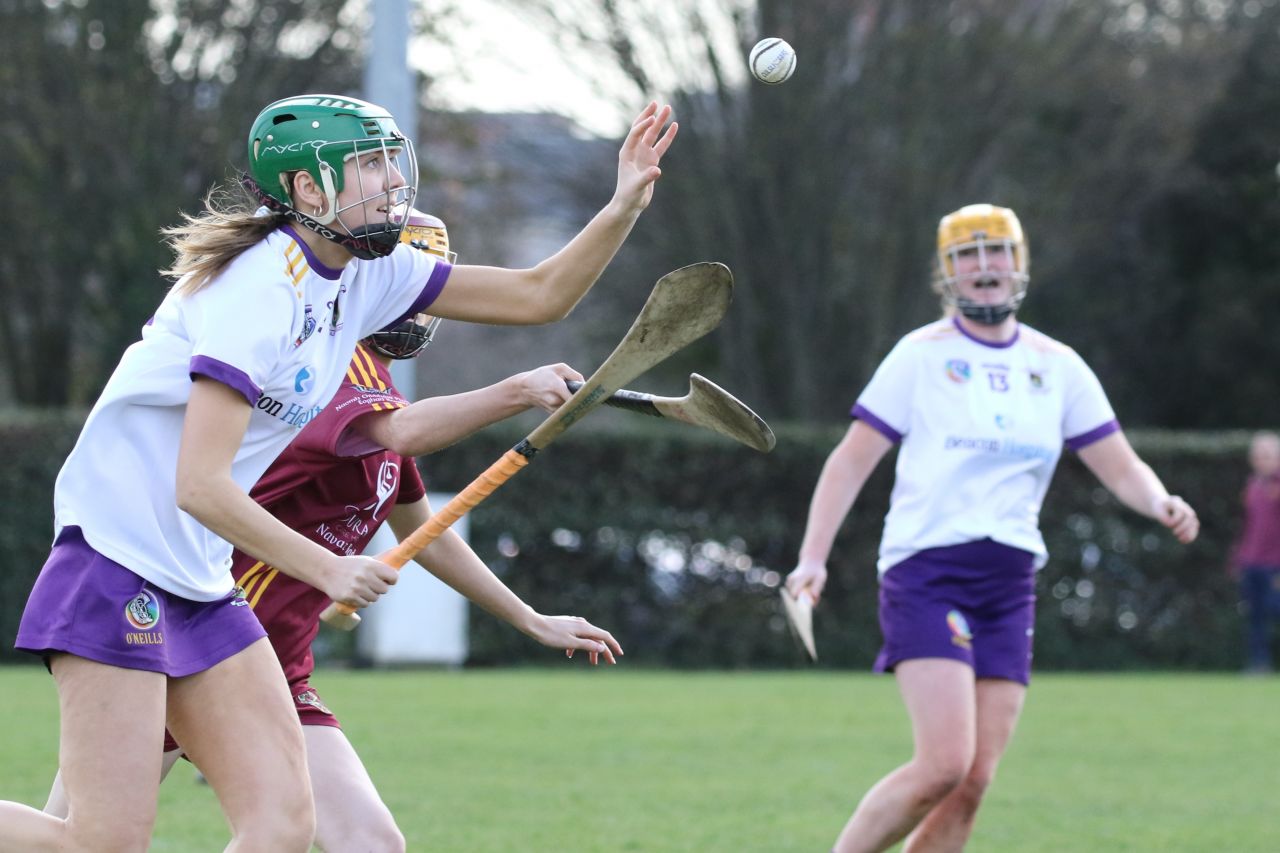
(641, 153)
(545, 386)
(573, 633)
(1177, 515)
(807, 578)
(357, 581)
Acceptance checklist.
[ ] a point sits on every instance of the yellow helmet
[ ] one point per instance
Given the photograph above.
(986, 230)
(427, 233)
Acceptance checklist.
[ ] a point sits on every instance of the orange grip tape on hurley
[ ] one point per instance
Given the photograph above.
(462, 503)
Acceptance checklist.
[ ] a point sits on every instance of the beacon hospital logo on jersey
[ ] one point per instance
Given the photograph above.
(1007, 446)
(142, 613)
(296, 415)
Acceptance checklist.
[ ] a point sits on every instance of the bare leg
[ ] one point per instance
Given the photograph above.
(112, 729)
(350, 816)
(57, 802)
(236, 721)
(940, 699)
(948, 826)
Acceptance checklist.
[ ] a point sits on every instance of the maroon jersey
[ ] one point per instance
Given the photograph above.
(335, 488)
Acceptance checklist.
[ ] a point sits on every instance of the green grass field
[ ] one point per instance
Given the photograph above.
(618, 760)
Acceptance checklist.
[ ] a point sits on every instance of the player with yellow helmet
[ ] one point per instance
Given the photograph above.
(981, 406)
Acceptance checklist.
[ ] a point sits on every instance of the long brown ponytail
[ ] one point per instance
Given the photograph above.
(204, 244)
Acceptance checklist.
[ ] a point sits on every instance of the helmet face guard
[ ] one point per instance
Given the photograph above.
(406, 340)
(987, 232)
(321, 135)
(426, 233)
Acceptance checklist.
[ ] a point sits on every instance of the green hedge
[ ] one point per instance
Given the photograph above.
(675, 540)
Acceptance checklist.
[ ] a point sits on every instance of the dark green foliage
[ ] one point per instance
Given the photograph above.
(36, 443)
(596, 525)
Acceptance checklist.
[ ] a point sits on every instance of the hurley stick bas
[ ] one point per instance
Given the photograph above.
(707, 405)
(685, 304)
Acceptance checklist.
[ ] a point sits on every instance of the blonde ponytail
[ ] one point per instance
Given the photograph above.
(203, 245)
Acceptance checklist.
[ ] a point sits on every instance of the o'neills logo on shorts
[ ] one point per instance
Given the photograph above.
(960, 633)
(143, 613)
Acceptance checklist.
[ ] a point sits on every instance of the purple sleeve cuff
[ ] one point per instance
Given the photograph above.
(203, 365)
(1079, 442)
(865, 415)
(435, 284)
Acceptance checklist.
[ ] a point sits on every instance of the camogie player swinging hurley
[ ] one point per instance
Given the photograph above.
(685, 304)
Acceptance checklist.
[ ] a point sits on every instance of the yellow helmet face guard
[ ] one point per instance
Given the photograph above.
(987, 231)
(426, 233)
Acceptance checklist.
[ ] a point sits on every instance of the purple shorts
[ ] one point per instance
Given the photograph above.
(95, 608)
(973, 603)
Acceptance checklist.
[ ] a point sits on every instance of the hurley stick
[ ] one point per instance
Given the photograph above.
(707, 405)
(685, 304)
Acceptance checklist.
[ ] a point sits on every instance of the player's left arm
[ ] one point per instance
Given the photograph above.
(451, 559)
(1115, 463)
(437, 422)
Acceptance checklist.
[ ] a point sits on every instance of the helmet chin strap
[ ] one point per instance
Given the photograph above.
(987, 315)
(364, 243)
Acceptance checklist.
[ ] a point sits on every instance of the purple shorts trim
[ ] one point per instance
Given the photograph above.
(974, 603)
(89, 606)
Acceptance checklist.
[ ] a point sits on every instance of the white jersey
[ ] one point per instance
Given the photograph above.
(277, 326)
(982, 427)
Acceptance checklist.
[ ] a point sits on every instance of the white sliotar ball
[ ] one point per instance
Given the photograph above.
(772, 61)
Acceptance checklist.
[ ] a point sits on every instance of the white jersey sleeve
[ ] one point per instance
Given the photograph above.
(407, 282)
(1086, 413)
(886, 403)
(239, 347)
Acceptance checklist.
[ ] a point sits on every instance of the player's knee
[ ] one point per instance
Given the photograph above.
(388, 840)
(941, 775)
(978, 780)
(110, 836)
(379, 835)
(288, 827)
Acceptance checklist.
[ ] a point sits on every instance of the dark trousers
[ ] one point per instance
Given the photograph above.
(1260, 592)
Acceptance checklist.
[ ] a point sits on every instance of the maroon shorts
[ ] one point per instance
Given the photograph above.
(92, 607)
(973, 602)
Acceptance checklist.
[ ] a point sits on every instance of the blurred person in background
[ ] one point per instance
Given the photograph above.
(1256, 557)
(981, 406)
(135, 612)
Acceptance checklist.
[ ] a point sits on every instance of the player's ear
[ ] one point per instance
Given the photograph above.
(306, 194)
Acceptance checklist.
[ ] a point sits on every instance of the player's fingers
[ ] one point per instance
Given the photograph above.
(642, 123)
(661, 146)
(649, 109)
(602, 636)
(568, 373)
(651, 132)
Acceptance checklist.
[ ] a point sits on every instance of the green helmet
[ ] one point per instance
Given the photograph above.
(318, 134)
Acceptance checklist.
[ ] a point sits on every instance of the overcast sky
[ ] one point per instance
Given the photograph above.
(506, 65)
